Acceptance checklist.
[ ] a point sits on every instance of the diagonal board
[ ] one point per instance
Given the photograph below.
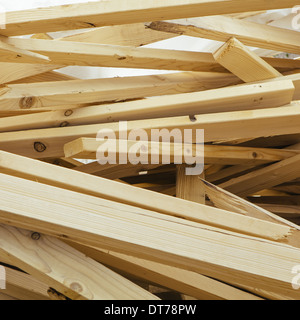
(224, 200)
(105, 13)
(222, 28)
(65, 269)
(244, 63)
(117, 35)
(135, 35)
(69, 53)
(10, 53)
(78, 92)
(264, 178)
(180, 280)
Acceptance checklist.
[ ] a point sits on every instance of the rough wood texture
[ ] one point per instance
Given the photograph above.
(64, 268)
(242, 62)
(98, 197)
(79, 228)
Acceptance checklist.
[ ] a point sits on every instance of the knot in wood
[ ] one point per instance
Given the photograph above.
(35, 236)
(27, 102)
(39, 147)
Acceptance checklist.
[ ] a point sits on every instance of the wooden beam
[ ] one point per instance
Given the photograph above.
(72, 215)
(224, 200)
(295, 77)
(65, 269)
(264, 178)
(236, 98)
(132, 151)
(283, 210)
(222, 28)
(118, 171)
(228, 125)
(79, 92)
(244, 63)
(229, 172)
(10, 53)
(180, 280)
(189, 187)
(24, 287)
(44, 77)
(14, 71)
(133, 35)
(5, 297)
(86, 148)
(91, 15)
(289, 200)
(67, 53)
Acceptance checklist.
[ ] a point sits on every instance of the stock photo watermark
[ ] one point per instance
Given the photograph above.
(296, 278)
(296, 18)
(155, 146)
(2, 278)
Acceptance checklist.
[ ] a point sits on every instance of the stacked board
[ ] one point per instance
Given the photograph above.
(73, 226)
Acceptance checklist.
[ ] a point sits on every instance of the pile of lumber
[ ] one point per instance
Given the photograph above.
(74, 228)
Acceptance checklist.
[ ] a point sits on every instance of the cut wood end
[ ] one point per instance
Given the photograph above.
(292, 239)
(225, 48)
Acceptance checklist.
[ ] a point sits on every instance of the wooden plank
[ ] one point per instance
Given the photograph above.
(4, 297)
(114, 172)
(102, 188)
(283, 210)
(133, 35)
(265, 178)
(180, 280)
(10, 53)
(228, 125)
(288, 187)
(295, 77)
(289, 200)
(65, 162)
(14, 71)
(244, 63)
(68, 214)
(65, 269)
(86, 148)
(67, 53)
(91, 15)
(222, 28)
(78, 92)
(189, 187)
(24, 287)
(132, 151)
(44, 77)
(13, 113)
(225, 200)
(227, 173)
(247, 97)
